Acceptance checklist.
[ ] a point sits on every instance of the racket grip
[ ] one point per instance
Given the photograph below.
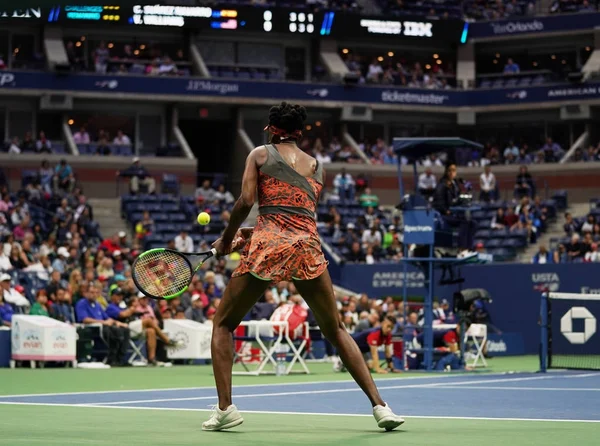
(213, 251)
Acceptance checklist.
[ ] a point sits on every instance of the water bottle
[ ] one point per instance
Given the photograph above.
(281, 364)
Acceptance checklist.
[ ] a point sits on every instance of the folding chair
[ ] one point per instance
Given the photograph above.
(272, 338)
(478, 334)
(137, 357)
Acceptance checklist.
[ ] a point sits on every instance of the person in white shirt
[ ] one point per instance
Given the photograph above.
(374, 72)
(371, 237)
(14, 146)
(511, 149)
(593, 255)
(344, 185)
(5, 264)
(11, 295)
(167, 67)
(487, 185)
(184, 243)
(427, 183)
(121, 139)
(223, 195)
(432, 160)
(542, 257)
(322, 157)
(81, 137)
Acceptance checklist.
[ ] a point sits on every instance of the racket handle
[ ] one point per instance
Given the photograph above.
(213, 251)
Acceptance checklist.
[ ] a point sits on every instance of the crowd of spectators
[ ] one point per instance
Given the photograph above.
(583, 236)
(117, 58)
(332, 151)
(391, 72)
(29, 144)
(592, 154)
(101, 143)
(568, 6)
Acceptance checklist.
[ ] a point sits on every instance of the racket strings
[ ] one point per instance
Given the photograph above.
(162, 273)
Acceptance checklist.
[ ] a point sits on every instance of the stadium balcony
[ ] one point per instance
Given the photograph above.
(522, 79)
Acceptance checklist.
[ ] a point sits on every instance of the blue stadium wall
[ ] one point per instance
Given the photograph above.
(514, 288)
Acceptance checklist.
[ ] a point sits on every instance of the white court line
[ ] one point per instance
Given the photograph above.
(267, 412)
(274, 384)
(325, 391)
(548, 389)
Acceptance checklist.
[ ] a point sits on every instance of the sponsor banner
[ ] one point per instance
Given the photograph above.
(291, 91)
(42, 338)
(194, 337)
(418, 227)
(515, 289)
(505, 344)
(532, 25)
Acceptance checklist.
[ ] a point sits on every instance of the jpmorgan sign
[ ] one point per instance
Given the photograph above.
(589, 327)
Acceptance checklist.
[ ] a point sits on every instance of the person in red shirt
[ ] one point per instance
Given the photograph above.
(370, 340)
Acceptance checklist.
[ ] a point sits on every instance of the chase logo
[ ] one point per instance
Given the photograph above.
(546, 281)
(589, 327)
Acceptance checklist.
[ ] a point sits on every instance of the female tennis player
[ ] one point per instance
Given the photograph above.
(284, 245)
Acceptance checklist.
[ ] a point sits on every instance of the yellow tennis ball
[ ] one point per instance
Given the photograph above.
(203, 218)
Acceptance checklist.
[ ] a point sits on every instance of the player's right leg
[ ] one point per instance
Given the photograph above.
(319, 295)
(240, 295)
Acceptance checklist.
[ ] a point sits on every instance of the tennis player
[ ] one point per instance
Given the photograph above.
(284, 245)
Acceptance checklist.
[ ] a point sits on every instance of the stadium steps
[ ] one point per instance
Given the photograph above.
(107, 212)
(555, 230)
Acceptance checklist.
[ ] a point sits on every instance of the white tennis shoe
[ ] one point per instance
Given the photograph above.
(223, 419)
(386, 419)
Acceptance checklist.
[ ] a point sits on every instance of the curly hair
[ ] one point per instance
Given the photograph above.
(287, 117)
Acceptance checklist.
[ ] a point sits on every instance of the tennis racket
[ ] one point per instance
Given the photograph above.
(166, 274)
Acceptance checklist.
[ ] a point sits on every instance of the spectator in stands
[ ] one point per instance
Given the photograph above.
(40, 307)
(14, 146)
(542, 256)
(154, 68)
(588, 225)
(10, 295)
(223, 196)
(356, 254)
(592, 154)
(28, 143)
(183, 242)
(511, 67)
(101, 57)
(511, 152)
(103, 148)
(121, 139)
(45, 174)
(196, 311)
(371, 238)
(82, 136)
(139, 176)
(115, 333)
(553, 152)
(344, 185)
(43, 144)
(63, 177)
(487, 185)
(374, 72)
(368, 199)
(5, 264)
(524, 185)
(145, 226)
(205, 193)
(576, 249)
(60, 263)
(560, 254)
(570, 226)
(6, 312)
(592, 255)
(427, 183)
(167, 66)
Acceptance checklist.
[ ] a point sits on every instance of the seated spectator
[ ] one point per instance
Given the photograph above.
(40, 307)
(28, 143)
(511, 67)
(592, 255)
(344, 185)
(371, 237)
(196, 311)
(115, 333)
(103, 148)
(487, 185)
(560, 254)
(167, 66)
(105, 270)
(139, 176)
(576, 249)
(356, 254)
(588, 225)
(553, 152)
(145, 226)
(43, 144)
(62, 307)
(570, 226)
(542, 256)
(183, 242)
(524, 185)
(368, 199)
(205, 193)
(11, 295)
(121, 139)
(5, 264)
(82, 136)
(101, 58)
(223, 195)
(511, 149)
(63, 177)
(154, 68)
(14, 146)
(427, 183)
(511, 219)
(6, 312)
(45, 174)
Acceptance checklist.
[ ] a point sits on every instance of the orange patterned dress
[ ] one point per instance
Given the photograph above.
(285, 244)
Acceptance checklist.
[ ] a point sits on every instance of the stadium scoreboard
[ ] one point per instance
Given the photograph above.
(239, 18)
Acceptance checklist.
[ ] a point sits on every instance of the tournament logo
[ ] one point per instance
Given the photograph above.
(7, 80)
(32, 339)
(184, 340)
(318, 92)
(59, 341)
(545, 281)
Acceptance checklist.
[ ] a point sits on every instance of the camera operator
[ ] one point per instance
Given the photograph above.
(447, 195)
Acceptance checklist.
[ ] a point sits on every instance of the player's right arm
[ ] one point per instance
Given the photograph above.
(244, 203)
